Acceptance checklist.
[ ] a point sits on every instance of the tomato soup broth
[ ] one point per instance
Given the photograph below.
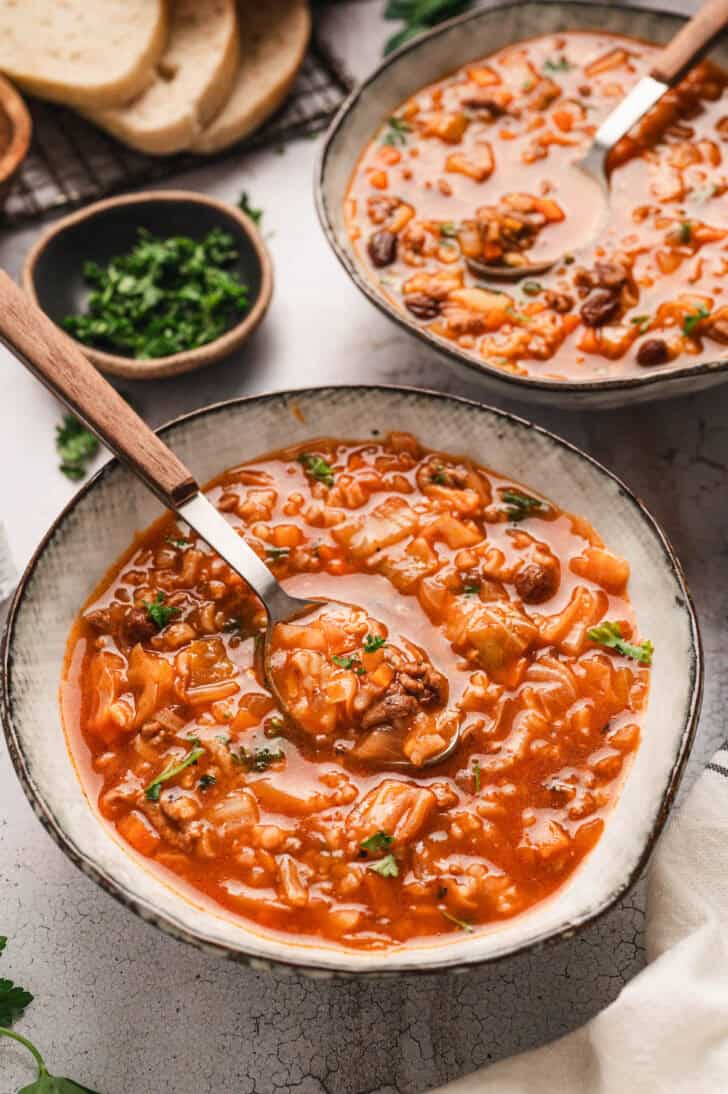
(476, 170)
(479, 609)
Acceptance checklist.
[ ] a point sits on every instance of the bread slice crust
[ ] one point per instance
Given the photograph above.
(273, 40)
(195, 78)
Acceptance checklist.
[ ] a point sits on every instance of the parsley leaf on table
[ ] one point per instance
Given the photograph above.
(13, 1001)
(419, 16)
(162, 297)
(76, 447)
(609, 634)
(256, 215)
(45, 1083)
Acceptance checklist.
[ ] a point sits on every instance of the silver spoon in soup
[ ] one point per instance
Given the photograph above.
(346, 679)
(516, 222)
(407, 726)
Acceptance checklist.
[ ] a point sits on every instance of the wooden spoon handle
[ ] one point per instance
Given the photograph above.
(690, 43)
(55, 359)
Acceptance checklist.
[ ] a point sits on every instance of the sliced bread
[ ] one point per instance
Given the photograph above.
(273, 40)
(194, 79)
(96, 54)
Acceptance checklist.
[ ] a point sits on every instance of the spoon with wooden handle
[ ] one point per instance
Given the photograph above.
(690, 43)
(59, 364)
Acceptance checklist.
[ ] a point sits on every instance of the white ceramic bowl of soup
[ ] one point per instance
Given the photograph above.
(101, 522)
(428, 59)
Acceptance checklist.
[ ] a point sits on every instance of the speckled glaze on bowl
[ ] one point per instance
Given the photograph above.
(430, 58)
(100, 522)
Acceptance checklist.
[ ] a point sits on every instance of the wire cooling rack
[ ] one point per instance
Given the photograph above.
(71, 162)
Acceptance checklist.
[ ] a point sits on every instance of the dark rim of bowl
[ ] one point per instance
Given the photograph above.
(336, 966)
(440, 345)
(199, 355)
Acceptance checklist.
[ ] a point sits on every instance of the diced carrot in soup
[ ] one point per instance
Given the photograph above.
(138, 832)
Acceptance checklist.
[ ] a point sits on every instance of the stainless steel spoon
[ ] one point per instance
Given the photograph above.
(690, 43)
(54, 359)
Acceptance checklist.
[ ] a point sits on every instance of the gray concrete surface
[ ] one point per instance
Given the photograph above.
(128, 1011)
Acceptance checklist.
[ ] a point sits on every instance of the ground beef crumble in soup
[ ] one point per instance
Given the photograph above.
(475, 605)
(475, 169)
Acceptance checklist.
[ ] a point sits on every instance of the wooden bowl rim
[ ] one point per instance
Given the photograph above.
(17, 113)
(187, 360)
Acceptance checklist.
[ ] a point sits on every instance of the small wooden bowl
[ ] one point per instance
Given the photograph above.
(53, 270)
(15, 133)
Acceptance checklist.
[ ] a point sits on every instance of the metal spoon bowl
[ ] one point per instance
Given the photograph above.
(508, 273)
(388, 752)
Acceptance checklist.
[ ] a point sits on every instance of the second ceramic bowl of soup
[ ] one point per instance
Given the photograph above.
(567, 361)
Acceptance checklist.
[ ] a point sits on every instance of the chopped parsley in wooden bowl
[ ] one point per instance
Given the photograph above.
(153, 284)
(164, 296)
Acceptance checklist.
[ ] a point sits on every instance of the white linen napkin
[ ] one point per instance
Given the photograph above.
(667, 1031)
